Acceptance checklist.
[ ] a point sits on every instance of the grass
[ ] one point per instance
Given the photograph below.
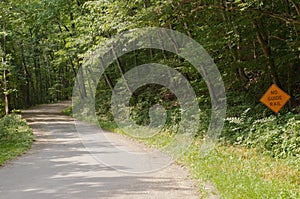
(15, 137)
(236, 172)
(244, 173)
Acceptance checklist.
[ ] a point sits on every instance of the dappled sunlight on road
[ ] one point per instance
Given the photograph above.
(59, 166)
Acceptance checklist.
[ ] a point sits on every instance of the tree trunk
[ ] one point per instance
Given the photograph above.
(4, 64)
(5, 89)
(107, 78)
(263, 40)
(297, 6)
(120, 67)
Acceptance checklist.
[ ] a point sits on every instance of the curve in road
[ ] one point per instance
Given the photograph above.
(59, 166)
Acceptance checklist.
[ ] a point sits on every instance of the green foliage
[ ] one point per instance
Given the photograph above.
(68, 111)
(15, 137)
(235, 171)
(254, 44)
(52, 38)
(277, 136)
(241, 173)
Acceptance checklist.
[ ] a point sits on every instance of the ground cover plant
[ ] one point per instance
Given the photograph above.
(15, 137)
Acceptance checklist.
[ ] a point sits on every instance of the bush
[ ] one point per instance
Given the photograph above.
(278, 136)
(15, 137)
(6, 124)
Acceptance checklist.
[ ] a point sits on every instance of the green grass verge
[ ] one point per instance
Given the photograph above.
(15, 137)
(244, 173)
(236, 172)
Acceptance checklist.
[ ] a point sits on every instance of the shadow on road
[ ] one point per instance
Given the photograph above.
(59, 166)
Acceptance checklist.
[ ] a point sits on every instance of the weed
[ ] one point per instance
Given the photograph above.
(15, 137)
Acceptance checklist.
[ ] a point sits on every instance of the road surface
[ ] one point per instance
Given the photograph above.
(60, 166)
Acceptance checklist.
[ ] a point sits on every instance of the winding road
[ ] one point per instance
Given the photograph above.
(59, 166)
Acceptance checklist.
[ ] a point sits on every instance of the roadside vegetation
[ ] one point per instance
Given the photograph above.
(15, 137)
(254, 43)
(253, 159)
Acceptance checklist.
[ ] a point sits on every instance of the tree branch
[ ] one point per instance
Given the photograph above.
(251, 10)
(297, 7)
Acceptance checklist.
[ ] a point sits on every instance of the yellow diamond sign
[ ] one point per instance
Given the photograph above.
(275, 98)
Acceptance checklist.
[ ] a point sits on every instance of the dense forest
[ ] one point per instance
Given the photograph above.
(254, 44)
(43, 43)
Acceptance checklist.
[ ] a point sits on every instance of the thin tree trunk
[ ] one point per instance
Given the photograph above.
(120, 67)
(27, 77)
(107, 78)
(5, 86)
(263, 40)
(6, 94)
(84, 94)
(5, 72)
(37, 78)
(297, 6)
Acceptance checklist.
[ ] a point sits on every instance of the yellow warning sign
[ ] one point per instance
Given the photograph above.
(275, 98)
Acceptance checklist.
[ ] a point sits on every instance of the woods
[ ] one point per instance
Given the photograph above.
(254, 43)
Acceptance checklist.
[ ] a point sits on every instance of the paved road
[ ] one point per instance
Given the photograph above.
(59, 166)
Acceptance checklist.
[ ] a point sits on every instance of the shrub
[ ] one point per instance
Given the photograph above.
(278, 136)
